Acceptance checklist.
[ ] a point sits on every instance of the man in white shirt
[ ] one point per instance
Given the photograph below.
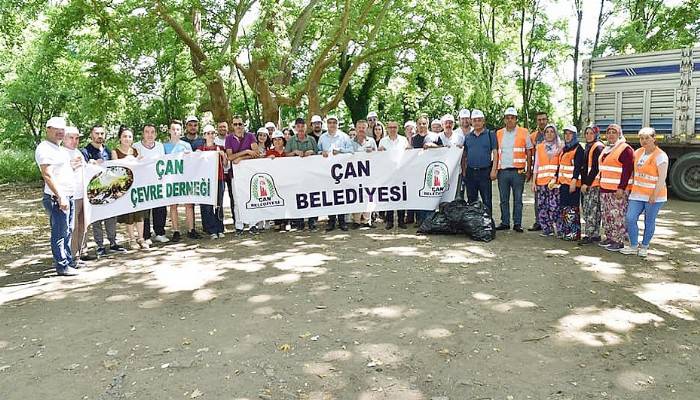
(393, 143)
(465, 122)
(70, 143)
(332, 142)
(220, 140)
(151, 149)
(57, 169)
(409, 128)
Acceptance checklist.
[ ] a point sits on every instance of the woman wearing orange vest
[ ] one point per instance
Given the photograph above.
(571, 165)
(616, 166)
(590, 186)
(544, 181)
(648, 193)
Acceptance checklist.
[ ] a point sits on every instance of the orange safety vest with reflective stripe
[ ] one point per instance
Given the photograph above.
(546, 165)
(596, 180)
(646, 176)
(566, 169)
(519, 147)
(611, 168)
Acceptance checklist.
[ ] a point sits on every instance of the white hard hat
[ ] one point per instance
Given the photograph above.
(464, 113)
(331, 117)
(372, 114)
(270, 125)
(409, 123)
(448, 117)
(571, 128)
(208, 128)
(191, 118)
(316, 118)
(277, 134)
(511, 111)
(477, 114)
(56, 122)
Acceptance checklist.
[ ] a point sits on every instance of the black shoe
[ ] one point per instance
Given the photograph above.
(101, 252)
(176, 236)
(117, 248)
(344, 227)
(518, 228)
(239, 232)
(330, 227)
(584, 241)
(410, 221)
(355, 225)
(87, 257)
(254, 230)
(312, 227)
(402, 225)
(193, 234)
(389, 225)
(502, 227)
(367, 225)
(69, 271)
(535, 227)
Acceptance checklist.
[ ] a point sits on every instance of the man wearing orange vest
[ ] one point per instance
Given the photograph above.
(537, 137)
(514, 168)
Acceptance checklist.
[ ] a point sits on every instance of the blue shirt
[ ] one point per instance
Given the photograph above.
(478, 149)
(91, 152)
(340, 141)
(179, 147)
(195, 143)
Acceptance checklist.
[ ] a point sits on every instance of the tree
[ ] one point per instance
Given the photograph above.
(578, 8)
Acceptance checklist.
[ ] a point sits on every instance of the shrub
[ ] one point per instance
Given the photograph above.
(18, 166)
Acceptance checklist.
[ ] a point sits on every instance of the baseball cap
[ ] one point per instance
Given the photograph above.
(477, 113)
(316, 118)
(208, 128)
(571, 128)
(299, 121)
(270, 125)
(277, 134)
(464, 113)
(191, 118)
(372, 114)
(331, 117)
(511, 111)
(448, 117)
(409, 123)
(56, 122)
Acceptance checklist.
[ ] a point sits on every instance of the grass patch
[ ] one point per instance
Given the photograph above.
(18, 166)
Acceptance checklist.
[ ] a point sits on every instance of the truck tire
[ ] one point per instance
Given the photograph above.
(685, 177)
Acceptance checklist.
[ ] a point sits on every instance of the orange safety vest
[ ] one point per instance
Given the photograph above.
(546, 165)
(647, 176)
(566, 169)
(611, 168)
(519, 147)
(596, 180)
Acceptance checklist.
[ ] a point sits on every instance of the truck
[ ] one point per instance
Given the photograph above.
(658, 89)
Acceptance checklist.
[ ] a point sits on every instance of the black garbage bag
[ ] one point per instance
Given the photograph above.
(459, 217)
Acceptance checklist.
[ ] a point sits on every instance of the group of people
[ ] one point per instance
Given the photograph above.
(612, 183)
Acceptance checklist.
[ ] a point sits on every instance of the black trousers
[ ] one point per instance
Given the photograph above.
(340, 218)
(228, 181)
(159, 215)
(390, 215)
(478, 182)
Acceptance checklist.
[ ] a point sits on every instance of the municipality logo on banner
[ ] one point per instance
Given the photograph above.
(263, 192)
(437, 180)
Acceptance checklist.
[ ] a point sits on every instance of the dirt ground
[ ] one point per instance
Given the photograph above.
(365, 315)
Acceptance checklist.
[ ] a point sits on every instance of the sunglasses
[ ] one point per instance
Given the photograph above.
(237, 124)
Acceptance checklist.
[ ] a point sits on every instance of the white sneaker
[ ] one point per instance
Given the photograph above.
(214, 236)
(288, 227)
(221, 235)
(161, 239)
(642, 251)
(629, 250)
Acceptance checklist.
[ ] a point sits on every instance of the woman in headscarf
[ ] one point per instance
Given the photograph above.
(649, 191)
(571, 166)
(590, 186)
(616, 166)
(544, 181)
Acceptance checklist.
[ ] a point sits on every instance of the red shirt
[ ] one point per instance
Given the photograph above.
(273, 152)
(221, 162)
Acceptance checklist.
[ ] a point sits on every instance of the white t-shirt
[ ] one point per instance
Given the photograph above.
(58, 160)
(432, 137)
(399, 144)
(459, 130)
(157, 151)
(456, 139)
(221, 141)
(78, 174)
(368, 144)
(660, 159)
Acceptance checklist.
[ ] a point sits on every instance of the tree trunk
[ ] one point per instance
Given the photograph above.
(579, 17)
(596, 52)
(218, 99)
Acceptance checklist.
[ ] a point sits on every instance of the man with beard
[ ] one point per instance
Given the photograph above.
(316, 127)
(192, 133)
(96, 153)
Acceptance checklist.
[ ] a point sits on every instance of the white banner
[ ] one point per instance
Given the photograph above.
(128, 185)
(296, 187)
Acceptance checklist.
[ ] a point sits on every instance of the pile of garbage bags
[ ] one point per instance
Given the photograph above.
(460, 217)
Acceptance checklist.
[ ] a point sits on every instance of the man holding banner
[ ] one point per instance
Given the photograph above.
(150, 149)
(301, 145)
(395, 145)
(332, 142)
(176, 146)
(240, 146)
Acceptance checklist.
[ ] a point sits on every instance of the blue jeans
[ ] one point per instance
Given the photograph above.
(510, 179)
(213, 218)
(478, 182)
(634, 210)
(61, 223)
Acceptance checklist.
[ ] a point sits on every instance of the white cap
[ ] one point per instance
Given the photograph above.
(316, 118)
(448, 117)
(56, 122)
(71, 130)
(477, 114)
(208, 128)
(191, 118)
(331, 117)
(262, 129)
(464, 113)
(435, 122)
(511, 111)
(270, 125)
(572, 129)
(372, 114)
(277, 134)
(409, 123)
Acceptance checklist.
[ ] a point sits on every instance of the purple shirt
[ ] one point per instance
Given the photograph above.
(237, 145)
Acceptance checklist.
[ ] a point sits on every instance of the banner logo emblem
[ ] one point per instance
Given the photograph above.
(437, 180)
(263, 192)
